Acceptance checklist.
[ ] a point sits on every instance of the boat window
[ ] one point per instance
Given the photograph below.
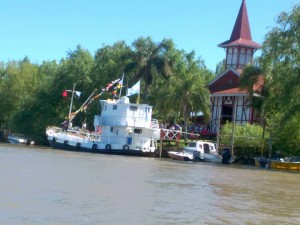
(137, 131)
(115, 107)
(206, 148)
(103, 106)
(111, 129)
(192, 144)
(133, 108)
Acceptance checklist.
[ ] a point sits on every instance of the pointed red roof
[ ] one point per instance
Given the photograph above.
(241, 34)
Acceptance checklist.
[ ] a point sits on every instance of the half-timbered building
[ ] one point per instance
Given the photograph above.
(228, 102)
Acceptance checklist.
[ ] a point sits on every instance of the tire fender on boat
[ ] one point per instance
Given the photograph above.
(108, 147)
(65, 142)
(94, 147)
(54, 139)
(78, 145)
(125, 147)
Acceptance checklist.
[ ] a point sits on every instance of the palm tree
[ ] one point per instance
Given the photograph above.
(149, 60)
(253, 80)
(186, 92)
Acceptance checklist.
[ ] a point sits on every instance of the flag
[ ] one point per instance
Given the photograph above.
(134, 90)
(78, 93)
(120, 83)
(65, 94)
(114, 84)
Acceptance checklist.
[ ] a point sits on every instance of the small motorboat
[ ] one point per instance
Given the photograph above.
(19, 139)
(202, 151)
(289, 163)
(183, 155)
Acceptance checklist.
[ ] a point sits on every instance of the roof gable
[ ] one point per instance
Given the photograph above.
(227, 80)
(237, 73)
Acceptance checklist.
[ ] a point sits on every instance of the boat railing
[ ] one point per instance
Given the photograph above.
(154, 123)
(123, 139)
(122, 121)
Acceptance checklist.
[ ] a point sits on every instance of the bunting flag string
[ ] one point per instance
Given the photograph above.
(112, 87)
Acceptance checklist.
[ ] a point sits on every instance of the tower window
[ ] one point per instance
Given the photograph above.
(235, 57)
(243, 57)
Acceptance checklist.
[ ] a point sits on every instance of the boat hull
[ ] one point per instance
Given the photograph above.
(179, 156)
(275, 164)
(214, 158)
(68, 147)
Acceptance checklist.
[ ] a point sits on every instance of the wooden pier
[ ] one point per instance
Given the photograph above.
(167, 135)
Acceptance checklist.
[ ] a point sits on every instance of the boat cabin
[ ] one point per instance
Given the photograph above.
(123, 113)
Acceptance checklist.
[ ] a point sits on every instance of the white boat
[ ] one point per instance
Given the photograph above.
(202, 151)
(19, 139)
(122, 128)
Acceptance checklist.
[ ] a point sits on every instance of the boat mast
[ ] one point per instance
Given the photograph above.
(121, 86)
(70, 110)
(84, 104)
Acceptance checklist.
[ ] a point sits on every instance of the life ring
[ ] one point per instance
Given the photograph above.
(65, 142)
(54, 139)
(108, 147)
(126, 147)
(78, 145)
(94, 147)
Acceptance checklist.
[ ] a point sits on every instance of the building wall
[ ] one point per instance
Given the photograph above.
(228, 81)
(229, 108)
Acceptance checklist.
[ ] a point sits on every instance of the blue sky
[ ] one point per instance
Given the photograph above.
(47, 30)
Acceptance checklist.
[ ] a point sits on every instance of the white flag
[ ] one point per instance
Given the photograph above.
(134, 90)
(78, 93)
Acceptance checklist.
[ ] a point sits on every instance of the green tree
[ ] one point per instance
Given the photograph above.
(110, 63)
(186, 91)
(18, 89)
(75, 69)
(220, 67)
(248, 138)
(150, 60)
(254, 81)
(280, 61)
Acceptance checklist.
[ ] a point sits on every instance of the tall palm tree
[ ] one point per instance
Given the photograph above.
(186, 92)
(253, 80)
(252, 77)
(149, 60)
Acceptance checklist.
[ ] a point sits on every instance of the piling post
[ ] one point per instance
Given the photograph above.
(160, 142)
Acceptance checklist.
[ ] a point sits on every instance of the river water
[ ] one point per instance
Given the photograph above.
(45, 186)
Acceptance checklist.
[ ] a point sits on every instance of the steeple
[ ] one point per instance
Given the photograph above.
(240, 47)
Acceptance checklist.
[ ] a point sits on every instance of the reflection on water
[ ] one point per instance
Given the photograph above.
(45, 186)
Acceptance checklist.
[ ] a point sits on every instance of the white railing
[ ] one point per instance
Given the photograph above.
(167, 134)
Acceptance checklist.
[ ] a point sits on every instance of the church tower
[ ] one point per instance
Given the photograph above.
(240, 47)
(228, 102)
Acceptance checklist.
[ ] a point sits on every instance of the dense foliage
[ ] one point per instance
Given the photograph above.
(279, 101)
(247, 139)
(32, 99)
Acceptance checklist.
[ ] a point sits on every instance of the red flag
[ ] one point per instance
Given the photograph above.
(65, 94)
